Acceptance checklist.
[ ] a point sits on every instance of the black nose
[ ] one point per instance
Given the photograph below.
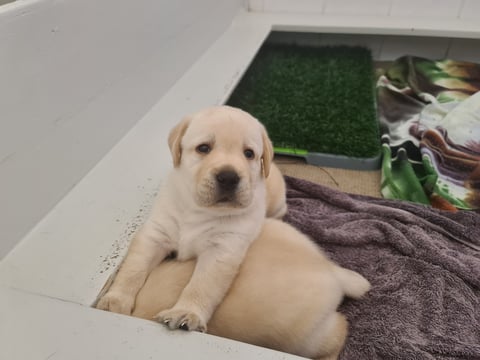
(228, 180)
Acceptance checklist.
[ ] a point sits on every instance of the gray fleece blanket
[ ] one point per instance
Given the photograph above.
(421, 262)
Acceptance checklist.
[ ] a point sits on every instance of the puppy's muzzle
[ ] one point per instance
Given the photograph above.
(227, 181)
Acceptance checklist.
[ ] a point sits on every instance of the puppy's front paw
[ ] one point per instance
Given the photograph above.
(181, 319)
(117, 302)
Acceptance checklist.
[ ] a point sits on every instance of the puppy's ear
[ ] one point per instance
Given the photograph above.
(267, 156)
(175, 140)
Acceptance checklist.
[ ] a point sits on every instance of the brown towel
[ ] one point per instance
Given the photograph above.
(421, 262)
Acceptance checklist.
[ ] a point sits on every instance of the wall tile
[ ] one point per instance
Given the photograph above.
(255, 5)
(427, 8)
(295, 6)
(352, 7)
(470, 9)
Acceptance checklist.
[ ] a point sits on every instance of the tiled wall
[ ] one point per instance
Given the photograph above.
(386, 47)
(451, 9)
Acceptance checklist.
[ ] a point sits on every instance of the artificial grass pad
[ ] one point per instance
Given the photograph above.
(318, 99)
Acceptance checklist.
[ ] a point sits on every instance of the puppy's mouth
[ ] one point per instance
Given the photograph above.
(227, 200)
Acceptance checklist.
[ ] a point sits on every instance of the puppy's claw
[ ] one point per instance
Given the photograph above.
(181, 319)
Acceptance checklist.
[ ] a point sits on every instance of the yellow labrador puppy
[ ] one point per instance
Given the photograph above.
(210, 208)
(285, 296)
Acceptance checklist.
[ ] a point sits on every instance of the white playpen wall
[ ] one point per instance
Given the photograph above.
(460, 13)
(75, 76)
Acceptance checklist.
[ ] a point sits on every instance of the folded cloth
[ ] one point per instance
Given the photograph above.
(421, 262)
(429, 113)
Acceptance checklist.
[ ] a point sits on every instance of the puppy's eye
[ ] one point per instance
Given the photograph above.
(203, 148)
(249, 154)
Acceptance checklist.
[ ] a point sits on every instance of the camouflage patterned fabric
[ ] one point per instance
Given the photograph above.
(429, 113)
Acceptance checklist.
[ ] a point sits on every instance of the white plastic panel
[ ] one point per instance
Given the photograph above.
(255, 5)
(75, 76)
(307, 6)
(470, 10)
(426, 8)
(363, 7)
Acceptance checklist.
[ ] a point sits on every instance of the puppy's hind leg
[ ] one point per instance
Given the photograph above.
(335, 335)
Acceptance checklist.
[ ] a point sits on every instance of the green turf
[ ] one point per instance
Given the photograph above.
(315, 99)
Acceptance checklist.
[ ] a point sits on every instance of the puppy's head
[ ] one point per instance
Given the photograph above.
(224, 154)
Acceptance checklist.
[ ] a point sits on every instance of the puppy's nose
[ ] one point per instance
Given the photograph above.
(228, 180)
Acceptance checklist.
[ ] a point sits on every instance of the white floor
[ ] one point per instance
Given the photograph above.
(49, 328)
(49, 281)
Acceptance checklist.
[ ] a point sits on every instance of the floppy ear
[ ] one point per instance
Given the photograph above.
(175, 140)
(267, 155)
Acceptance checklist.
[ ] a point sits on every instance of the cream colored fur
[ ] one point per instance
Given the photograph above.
(200, 214)
(285, 296)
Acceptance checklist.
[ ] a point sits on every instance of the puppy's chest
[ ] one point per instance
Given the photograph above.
(195, 238)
